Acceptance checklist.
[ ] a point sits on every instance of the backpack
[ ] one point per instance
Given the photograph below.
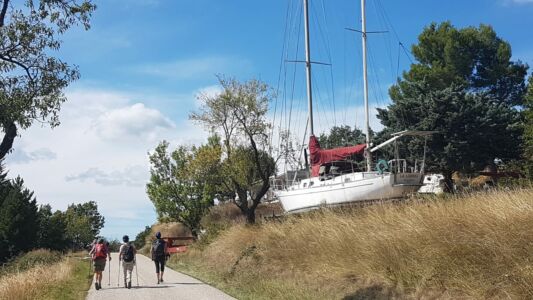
(158, 249)
(100, 251)
(128, 255)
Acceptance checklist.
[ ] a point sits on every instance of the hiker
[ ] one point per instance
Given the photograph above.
(127, 254)
(158, 252)
(99, 254)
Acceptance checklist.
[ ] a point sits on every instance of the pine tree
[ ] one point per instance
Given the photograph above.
(18, 219)
(465, 86)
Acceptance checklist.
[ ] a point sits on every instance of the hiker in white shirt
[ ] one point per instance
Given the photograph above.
(127, 254)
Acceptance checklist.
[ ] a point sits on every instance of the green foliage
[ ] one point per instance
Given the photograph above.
(114, 245)
(78, 230)
(472, 128)
(23, 227)
(475, 58)
(140, 238)
(32, 79)
(239, 114)
(341, 136)
(30, 260)
(464, 86)
(18, 218)
(183, 183)
(89, 210)
(52, 229)
(528, 128)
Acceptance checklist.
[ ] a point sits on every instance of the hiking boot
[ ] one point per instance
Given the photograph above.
(161, 279)
(96, 286)
(125, 284)
(129, 285)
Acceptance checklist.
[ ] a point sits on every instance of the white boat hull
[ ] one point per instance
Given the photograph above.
(348, 188)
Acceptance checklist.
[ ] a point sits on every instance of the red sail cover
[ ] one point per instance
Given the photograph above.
(322, 156)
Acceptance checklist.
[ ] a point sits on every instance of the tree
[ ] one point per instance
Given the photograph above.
(78, 230)
(473, 129)
(183, 183)
(32, 80)
(341, 136)
(528, 127)
(18, 218)
(52, 232)
(464, 86)
(114, 245)
(475, 58)
(239, 114)
(90, 211)
(83, 223)
(140, 238)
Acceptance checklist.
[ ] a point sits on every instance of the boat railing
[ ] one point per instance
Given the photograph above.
(283, 184)
(398, 165)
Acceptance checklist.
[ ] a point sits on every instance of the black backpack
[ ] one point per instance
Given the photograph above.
(158, 249)
(128, 256)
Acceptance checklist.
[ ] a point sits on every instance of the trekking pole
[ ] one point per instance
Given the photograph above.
(136, 273)
(118, 275)
(109, 277)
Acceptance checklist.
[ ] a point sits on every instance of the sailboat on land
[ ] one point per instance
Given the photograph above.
(335, 180)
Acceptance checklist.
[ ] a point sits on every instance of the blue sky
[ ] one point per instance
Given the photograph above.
(143, 62)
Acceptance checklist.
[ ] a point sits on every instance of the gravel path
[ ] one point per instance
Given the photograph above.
(176, 285)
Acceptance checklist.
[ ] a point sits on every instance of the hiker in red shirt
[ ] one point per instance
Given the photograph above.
(99, 253)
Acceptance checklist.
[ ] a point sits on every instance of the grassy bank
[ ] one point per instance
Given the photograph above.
(477, 246)
(51, 276)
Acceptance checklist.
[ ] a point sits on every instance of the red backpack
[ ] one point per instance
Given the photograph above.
(100, 251)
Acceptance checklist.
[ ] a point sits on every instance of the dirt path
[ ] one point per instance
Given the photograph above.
(176, 285)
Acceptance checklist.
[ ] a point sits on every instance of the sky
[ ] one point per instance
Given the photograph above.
(143, 62)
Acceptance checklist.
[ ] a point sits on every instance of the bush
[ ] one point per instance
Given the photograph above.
(140, 239)
(30, 260)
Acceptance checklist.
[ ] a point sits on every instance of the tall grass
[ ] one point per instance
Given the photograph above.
(475, 246)
(31, 284)
(29, 260)
(42, 274)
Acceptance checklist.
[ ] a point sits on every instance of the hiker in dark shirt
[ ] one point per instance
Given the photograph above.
(158, 252)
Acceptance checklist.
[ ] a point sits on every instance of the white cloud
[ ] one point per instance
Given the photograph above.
(130, 176)
(132, 121)
(20, 155)
(99, 152)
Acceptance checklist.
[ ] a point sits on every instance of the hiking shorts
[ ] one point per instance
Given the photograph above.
(159, 264)
(99, 264)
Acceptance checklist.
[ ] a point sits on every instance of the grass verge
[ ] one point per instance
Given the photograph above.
(76, 285)
(67, 279)
(474, 246)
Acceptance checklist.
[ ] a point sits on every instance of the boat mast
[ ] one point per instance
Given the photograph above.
(308, 68)
(365, 90)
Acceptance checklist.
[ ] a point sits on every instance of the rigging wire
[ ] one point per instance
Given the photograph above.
(281, 67)
(328, 42)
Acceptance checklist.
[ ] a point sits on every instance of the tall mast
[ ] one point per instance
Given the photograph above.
(365, 89)
(308, 68)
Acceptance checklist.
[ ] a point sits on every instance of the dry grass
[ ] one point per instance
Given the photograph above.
(31, 283)
(477, 246)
